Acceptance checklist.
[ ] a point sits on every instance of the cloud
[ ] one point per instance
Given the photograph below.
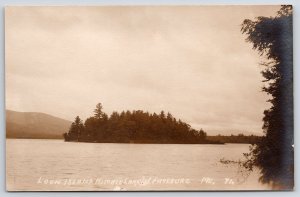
(190, 60)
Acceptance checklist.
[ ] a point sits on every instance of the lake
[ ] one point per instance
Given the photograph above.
(55, 165)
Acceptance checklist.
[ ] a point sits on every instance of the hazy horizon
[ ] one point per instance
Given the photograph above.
(191, 61)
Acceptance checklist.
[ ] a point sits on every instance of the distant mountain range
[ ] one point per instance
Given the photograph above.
(44, 126)
(35, 125)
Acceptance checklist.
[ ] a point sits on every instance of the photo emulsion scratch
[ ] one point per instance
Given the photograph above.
(149, 98)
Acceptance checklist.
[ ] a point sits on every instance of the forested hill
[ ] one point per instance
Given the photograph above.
(134, 127)
(34, 125)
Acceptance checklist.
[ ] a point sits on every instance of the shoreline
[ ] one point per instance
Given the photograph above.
(216, 143)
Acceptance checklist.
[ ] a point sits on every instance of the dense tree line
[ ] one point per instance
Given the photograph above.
(274, 155)
(239, 139)
(133, 127)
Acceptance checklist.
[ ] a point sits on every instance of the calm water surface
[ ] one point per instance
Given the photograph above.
(52, 165)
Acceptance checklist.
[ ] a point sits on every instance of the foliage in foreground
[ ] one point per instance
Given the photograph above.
(274, 155)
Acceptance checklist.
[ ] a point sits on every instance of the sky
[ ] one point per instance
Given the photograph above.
(191, 61)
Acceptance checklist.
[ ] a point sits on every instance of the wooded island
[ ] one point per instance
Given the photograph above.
(134, 127)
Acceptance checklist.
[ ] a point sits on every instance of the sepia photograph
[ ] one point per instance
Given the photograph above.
(149, 98)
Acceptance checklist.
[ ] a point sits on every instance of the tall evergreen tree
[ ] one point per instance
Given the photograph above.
(76, 129)
(98, 113)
